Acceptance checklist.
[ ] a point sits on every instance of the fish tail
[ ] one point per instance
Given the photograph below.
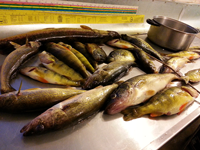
(131, 113)
(186, 79)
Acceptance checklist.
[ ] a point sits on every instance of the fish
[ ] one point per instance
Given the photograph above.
(120, 55)
(35, 99)
(176, 63)
(137, 90)
(144, 62)
(169, 101)
(143, 45)
(96, 52)
(66, 56)
(186, 54)
(69, 112)
(46, 35)
(108, 74)
(80, 56)
(195, 49)
(119, 43)
(45, 75)
(52, 63)
(192, 76)
(14, 60)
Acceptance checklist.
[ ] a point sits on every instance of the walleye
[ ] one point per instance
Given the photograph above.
(83, 34)
(96, 52)
(137, 90)
(143, 45)
(176, 63)
(192, 76)
(119, 43)
(35, 99)
(167, 102)
(186, 54)
(80, 56)
(69, 58)
(109, 73)
(120, 55)
(52, 63)
(82, 49)
(45, 75)
(70, 111)
(14, 60)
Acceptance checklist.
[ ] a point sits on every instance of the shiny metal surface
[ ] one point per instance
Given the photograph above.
(100, 132)
(170, 33)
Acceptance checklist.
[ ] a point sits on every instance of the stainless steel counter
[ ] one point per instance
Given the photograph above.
(101, 131)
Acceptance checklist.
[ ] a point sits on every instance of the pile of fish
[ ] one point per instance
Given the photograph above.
(90, 78)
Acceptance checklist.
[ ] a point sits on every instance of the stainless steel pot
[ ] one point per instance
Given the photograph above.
(170, 34)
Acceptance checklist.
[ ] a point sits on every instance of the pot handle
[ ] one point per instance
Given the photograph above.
(152, 22)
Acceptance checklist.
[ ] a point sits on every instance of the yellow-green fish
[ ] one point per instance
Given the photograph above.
(80, 56)
(45, 75)
(13, 62)
(70, 111)
(120, 55)
(52, 63)
(143, 45)
(96, 52)
(176, 63)
(192, 76)
(186, 54)
(137, 90)
(119, 43)
(36, 99)
(167, 102)
(69, 58)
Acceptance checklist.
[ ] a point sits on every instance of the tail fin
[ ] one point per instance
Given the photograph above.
(130, 113)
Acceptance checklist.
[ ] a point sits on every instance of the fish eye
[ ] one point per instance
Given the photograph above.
(113, 96)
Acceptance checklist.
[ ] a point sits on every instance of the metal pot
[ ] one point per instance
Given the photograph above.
(170, 34)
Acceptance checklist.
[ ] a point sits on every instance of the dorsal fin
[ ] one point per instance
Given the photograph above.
(15, 44)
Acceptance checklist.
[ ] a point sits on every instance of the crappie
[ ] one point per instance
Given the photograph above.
(176, 63)
(186, 54)
(14, 60)
(167, 102)
(137, 90)
(70, 111)
(143, 45)
(35, 99)
(80, 56)
(119, 43)
(120, 55)
(45, 75)
(192, 76)
(52, 63)
(96, 52)
(108, 74)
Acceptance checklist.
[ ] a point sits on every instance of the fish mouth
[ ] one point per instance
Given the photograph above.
(114, 109)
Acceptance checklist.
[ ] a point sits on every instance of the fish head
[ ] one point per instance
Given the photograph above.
(46, 58)
(92, 81)
(120, 99)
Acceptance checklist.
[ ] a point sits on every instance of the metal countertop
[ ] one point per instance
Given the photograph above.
(101, 131)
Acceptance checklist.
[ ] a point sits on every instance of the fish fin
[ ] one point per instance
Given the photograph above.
(182, 108)
(27, 42)
(15, 44)
(32, 89)
(192, 91)
(18, 93)
(86, 27)
(130, 114)
(156, 114)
